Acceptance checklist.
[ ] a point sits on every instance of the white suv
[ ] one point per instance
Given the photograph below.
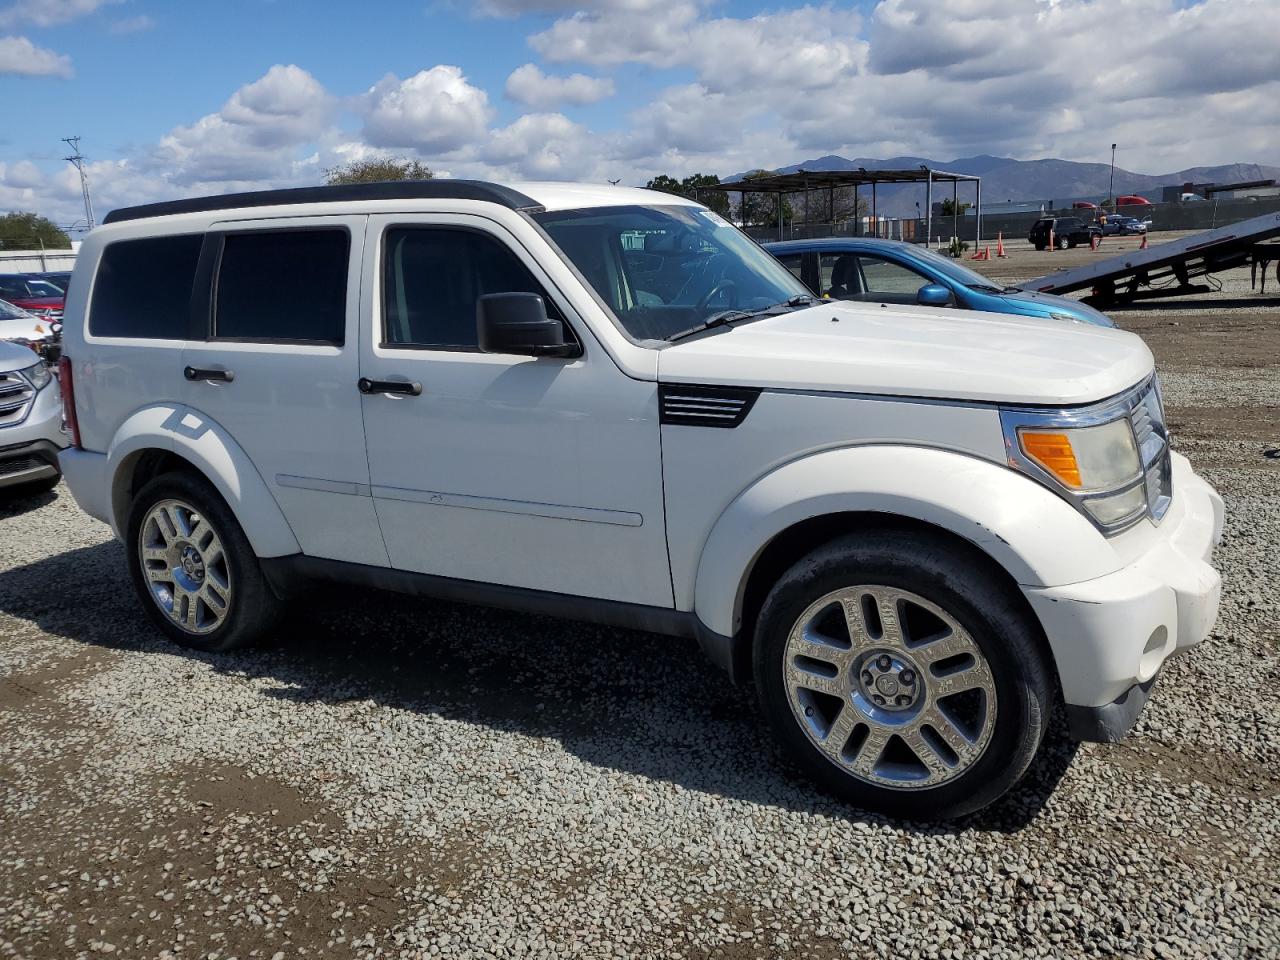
(914, 529)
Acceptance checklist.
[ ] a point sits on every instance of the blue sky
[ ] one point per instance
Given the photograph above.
(173, 99)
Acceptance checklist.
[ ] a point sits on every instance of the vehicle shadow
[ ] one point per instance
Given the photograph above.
(636, 702)
(16, 502)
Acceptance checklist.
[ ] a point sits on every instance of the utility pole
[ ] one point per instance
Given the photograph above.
(1111, 188)
(77, 160)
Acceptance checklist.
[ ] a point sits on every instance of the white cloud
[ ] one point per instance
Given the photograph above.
(533, 88)
(254, 135)
(48, 13)
(652, 32)
(20, 57)
(434, 111)
(541, 146)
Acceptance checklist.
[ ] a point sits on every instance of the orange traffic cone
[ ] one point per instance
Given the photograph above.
(1094, 241)
(1143, 244)
(982, 254)
(1000, 246)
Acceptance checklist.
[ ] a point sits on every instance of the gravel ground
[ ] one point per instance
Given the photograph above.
(400, 778)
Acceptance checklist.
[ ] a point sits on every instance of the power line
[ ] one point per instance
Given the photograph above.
(77, 160)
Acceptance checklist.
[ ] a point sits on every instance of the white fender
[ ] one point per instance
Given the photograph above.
(210, 449)
(1031, 532)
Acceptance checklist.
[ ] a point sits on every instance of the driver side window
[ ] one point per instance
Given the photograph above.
(882, 277)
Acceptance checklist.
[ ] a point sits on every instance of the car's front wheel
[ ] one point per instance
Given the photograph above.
(193, 567)
(901, 675)
(1063, 243)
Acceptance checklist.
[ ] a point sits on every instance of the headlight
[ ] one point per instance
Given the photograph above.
(1100, 459)
(38, 374)
(1065, 316)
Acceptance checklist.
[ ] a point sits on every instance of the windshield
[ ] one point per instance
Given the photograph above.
(955, 271)
(664, 270)
(9, 312)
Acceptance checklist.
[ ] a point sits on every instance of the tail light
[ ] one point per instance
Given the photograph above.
(68, 388)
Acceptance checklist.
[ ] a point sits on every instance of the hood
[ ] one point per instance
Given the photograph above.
(913, 351)
(25, 328)
(14, 356)
(1052, 301)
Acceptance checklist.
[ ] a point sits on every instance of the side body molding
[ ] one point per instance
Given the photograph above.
(1025, 528)
(211, 450)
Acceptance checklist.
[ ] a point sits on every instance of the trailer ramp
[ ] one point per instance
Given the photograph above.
(1166, 270)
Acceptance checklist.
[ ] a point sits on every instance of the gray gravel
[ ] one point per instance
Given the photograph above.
(409, 779)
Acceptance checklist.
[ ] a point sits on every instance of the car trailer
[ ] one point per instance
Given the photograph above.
(1168, 270)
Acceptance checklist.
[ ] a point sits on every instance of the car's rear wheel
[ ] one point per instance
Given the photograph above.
(1063, 243)
(1040, 246)
(901, 675)
(193, 567)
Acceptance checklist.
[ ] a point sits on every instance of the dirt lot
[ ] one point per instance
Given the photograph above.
(411, 779)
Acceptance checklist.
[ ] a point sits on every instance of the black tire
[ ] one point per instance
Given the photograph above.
(1040, 246)
(958, 580)
(253, 609)
(1063, 243)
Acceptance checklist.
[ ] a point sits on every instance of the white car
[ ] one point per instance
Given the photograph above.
(31, 429)
(17, 325)
(913, 529)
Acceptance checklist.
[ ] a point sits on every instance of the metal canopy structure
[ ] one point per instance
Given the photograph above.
(803, 181)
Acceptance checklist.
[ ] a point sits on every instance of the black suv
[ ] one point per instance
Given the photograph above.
(1067, 232)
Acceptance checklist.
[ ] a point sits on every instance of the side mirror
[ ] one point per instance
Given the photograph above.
(517, 323)
(933, 295)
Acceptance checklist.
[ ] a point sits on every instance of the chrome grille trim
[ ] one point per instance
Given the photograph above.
(16, 395)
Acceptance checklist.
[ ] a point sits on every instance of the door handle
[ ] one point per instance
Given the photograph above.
(196, 373)
(410, 387)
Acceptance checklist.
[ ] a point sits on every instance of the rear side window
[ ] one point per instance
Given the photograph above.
(286, 285)
(143, 288)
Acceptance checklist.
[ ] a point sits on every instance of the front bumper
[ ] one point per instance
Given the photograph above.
(29, 449)
(1110, 636)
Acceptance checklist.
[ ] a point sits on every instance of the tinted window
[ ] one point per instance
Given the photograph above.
(432, 278)
(143, 288)
(283, 285)
(793, 262)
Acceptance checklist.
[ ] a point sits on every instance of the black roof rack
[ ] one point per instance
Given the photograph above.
(442, 189)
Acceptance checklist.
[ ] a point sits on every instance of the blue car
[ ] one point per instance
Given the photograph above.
(887, 271)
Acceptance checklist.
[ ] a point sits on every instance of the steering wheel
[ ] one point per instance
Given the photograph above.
(723, 286)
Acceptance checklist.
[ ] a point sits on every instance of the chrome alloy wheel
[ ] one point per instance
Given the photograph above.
(889, 687)
(185, 566)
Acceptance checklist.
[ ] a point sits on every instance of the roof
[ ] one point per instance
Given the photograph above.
(834, 244)
(823, 179)
(516, 196)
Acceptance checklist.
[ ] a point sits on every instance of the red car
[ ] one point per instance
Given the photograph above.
(1133, 201)
(39, 297)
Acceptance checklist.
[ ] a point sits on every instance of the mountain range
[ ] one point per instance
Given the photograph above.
(1004, 178)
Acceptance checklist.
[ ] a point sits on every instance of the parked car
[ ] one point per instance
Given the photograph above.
(1124, 226)
(19, 326)
(1066, 232)
(38, 297)
(888, 271)
(1084, 205)
(1131, 200)
(59, 278)
(31, 431)
(914, 529)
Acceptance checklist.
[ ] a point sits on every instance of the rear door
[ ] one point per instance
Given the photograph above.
(273, 360)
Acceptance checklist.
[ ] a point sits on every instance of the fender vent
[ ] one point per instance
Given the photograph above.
(705, 406)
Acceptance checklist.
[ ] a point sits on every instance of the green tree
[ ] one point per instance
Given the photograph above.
(949, 208)
(378, 170)
(761, 209)
(28, 231)
(691, 187)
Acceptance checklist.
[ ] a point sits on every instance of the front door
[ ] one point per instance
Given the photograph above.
(537, 473)
(273, 361)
